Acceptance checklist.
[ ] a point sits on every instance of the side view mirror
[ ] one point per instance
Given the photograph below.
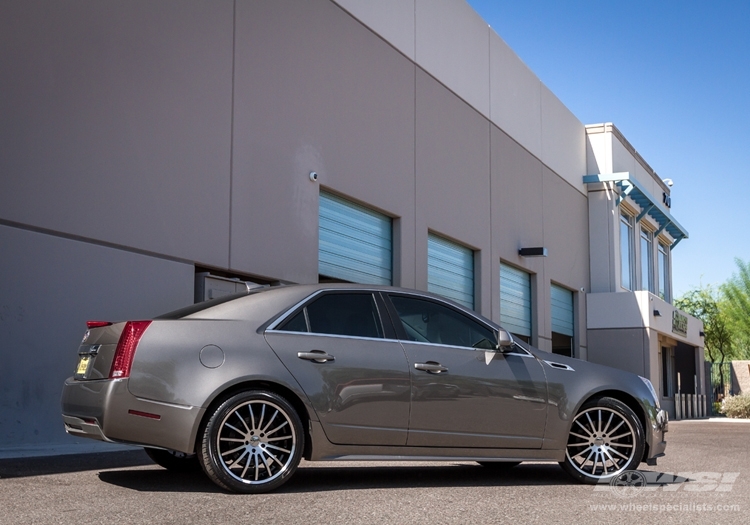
(504, 340)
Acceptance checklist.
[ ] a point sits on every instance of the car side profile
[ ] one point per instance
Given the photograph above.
(248, 385)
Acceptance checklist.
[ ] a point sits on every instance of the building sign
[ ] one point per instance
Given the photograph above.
(679, 323)
(666, 199)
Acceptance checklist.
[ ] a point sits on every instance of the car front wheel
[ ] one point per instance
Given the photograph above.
(252, 442)
(605, 440)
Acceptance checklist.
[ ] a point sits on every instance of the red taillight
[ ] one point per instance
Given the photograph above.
(97, 324)
(126, 346)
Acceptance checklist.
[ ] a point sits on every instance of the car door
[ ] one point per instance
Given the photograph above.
(464, 393)
(356, 378)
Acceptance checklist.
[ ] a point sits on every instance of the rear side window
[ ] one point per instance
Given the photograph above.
(350, 314)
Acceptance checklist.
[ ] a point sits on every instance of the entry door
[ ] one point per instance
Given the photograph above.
(356, 380)
(464, 395)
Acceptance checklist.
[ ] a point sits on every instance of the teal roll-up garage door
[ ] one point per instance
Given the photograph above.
(562, 310)
(515, 300)
(355, 243)
(450, 270)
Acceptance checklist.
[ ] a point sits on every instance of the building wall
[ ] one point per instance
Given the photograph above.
(623, 348)
(116, 122)
(143, 139)
(51, 285)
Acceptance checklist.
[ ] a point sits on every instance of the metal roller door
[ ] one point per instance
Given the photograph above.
(355, 243)
(515, 300)
(562, 310)
(450, 270)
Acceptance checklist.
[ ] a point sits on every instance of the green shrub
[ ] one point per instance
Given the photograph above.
(716, 408)
(736, 406)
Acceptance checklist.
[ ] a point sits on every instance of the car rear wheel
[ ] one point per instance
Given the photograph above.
(605, 440)
(173, 460)
(252, 442)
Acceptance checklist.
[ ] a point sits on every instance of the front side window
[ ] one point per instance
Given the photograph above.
(351, 314)
(429, 322)
(626, 251)
(664, 272)
(647, 280)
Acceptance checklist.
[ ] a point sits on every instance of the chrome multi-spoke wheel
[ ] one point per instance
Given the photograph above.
(252, 443)
(605, 440)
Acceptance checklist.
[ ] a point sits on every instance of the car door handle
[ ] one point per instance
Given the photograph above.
(319, 356)
(431, 367)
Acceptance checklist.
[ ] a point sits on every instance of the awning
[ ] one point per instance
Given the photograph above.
(630, 187)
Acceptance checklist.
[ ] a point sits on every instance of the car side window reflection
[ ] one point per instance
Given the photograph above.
(429, 322)
(352, 314)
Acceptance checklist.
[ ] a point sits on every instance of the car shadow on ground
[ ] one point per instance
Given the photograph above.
(313, 478)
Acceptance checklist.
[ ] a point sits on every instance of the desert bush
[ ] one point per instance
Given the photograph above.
(736, 406)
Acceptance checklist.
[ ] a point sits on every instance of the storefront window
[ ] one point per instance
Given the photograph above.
(626, 251)
(647, 258)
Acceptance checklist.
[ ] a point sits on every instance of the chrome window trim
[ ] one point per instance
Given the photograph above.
(292, 309)
(469, 348)
(337, 336)
(283, 317)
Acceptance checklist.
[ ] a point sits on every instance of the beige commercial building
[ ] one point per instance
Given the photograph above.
(153, 152)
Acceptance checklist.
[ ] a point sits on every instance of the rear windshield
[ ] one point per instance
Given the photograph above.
(199, 307)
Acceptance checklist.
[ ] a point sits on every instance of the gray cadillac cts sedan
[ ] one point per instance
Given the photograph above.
(249, 384)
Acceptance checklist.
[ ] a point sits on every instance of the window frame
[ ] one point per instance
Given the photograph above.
(647, 281)
(458, 313)
(663, 272)
(386, 324)
(626, 221)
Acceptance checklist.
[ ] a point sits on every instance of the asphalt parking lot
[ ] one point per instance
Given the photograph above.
(705, 478)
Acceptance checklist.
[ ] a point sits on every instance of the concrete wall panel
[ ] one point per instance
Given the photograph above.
(626, 349)
(602, 239)
(116, 122)
(517, 198)
(325, 95)
(452, 44)
(453, 177)
(613, 310)
(622, 159)
(598, 153)
(515, 96)
(566, 238)
(50, 287)
(563, 140)
(391, 19)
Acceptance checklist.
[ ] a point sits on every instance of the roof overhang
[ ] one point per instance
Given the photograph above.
(630, 187)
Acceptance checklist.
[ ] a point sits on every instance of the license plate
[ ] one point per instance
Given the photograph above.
(83, 365)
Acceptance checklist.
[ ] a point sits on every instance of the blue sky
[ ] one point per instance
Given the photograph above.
(674, 77)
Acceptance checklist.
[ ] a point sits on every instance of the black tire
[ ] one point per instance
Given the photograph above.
(174, 461)
(605, 440)
(252, 443)
(499, 465)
